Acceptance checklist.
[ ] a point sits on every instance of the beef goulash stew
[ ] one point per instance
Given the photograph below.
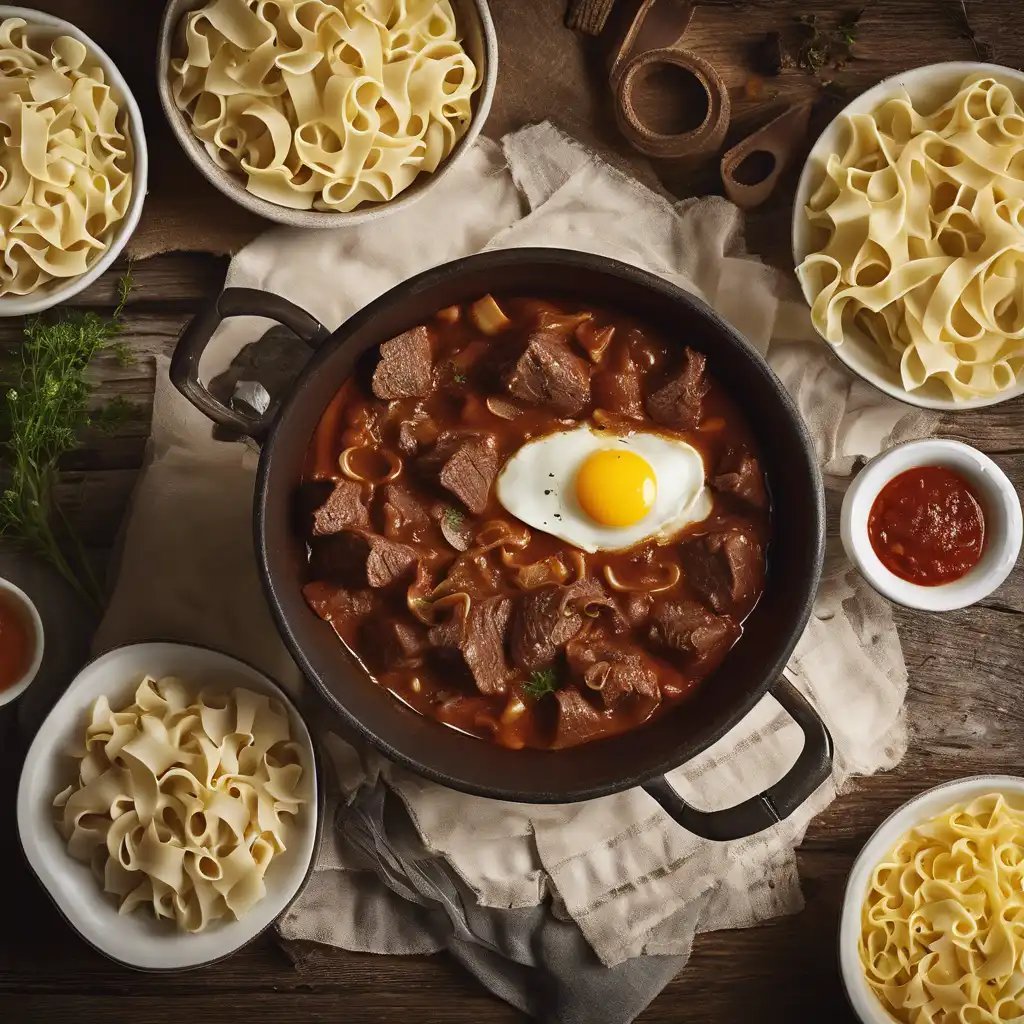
(536, 524)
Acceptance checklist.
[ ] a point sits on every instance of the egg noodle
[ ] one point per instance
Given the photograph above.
(942, 928)
(325, 105)
(920, 238)
(180, 803)
(66, 163)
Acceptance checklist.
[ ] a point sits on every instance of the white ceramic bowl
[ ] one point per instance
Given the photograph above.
(31, 614)
(1000, 504)
(919, 810)
(138, 939)
(44, 27)
(928, 85)
(477, 31)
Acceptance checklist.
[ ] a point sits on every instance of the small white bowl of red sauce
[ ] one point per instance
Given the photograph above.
(934, 525)
(21, 641)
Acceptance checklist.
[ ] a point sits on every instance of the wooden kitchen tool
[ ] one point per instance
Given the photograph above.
(648, 62)
(752, 168)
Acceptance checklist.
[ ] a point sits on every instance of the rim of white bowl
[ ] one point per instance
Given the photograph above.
(1003, 523)
(55, 292)
(914, 812)
(29, 607)
(235, 189)
(936, 397)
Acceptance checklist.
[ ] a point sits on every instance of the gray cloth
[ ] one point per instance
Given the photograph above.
(530, 957)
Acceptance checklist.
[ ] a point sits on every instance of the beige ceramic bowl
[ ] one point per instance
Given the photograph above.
(928, 86)
(477, 30)
(42, 30)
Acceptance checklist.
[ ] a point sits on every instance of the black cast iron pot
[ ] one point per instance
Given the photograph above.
(638, 758)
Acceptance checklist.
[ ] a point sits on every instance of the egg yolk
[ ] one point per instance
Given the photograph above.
(616, 487)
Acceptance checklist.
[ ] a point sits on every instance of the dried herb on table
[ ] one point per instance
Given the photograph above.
(45, 408)
(822, 47)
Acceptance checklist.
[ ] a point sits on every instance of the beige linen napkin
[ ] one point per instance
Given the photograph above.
(633, 880)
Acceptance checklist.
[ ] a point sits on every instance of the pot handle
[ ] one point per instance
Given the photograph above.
(196, 336)
(812, 768)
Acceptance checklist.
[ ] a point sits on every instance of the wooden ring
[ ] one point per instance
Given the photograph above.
(707, 136)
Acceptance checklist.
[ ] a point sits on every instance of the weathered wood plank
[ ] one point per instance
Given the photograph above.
(963, 708)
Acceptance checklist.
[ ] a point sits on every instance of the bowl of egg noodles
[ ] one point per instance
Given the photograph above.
(930, 928)
(908, 235)
(74, 165)
(169, 804)
(323, 113)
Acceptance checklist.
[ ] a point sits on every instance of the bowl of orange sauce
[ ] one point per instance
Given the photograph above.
(934, 524)
(21, 641)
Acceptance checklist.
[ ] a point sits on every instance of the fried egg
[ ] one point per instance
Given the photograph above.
(601, 491)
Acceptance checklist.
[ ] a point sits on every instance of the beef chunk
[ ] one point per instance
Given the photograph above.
(406, 366)
(359, 558)
(746, 564)
(471, 574)
(408, 443)
(392, 642)
(634, 608)
(689, 627)
(388, 561)
(468, 467)
(545, 621)
(578, 719)
(677, 402)
(612, 669)
(480, 639)
(548, 618)
(742, 476)
(618, 388)
(344, 508)
(724, 568)
(331, 602)
(414, 434)
(403, 511)
(547, 373)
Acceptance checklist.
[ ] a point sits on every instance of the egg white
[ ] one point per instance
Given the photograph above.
(538, 485)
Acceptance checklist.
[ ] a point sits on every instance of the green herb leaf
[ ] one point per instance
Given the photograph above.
(452, 517)
(117, 413)
(123, 353)
(541, 683)
(44, 410)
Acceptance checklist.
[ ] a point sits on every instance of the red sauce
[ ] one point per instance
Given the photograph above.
(16, 642)
(927, 526)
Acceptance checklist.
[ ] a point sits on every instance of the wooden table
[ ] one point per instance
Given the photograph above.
(963, 709)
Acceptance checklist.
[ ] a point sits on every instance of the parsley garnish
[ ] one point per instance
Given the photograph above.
(452, 517)
(541, 683)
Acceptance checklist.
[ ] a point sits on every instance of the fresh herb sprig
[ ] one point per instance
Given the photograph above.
(45, 409)
(541, 683)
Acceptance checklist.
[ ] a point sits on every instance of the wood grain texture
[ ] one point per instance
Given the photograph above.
(963, 710)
